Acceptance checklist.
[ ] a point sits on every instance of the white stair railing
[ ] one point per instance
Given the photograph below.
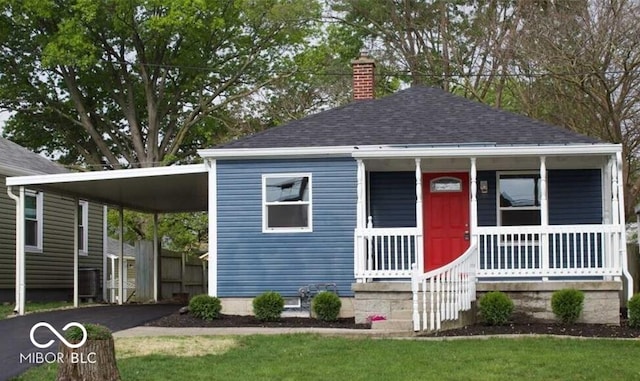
(445, 291)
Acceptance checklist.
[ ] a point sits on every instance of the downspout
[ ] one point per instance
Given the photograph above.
(20, 256)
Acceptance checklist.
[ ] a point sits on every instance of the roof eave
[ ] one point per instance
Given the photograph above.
(410, 151)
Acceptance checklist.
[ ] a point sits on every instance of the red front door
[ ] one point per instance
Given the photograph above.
(446, 217)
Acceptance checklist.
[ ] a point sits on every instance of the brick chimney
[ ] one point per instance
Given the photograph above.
(363, 77)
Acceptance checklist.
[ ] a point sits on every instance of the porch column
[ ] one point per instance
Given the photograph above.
(615, 212)
(359, 250)
(213, 227)
(544, 216)
(622, 234)
(75, 252)
(474, 201)
(419, 222)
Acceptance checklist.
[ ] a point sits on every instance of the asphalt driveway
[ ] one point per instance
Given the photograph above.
(14, 332)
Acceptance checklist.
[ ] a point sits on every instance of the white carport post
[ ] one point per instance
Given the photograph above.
(213, 227)
(75, 252)
(155, 257)
(121, 255)
(20, 260)
(104, 253)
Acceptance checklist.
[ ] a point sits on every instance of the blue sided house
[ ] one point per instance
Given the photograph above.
(410, 207)
(420, 185)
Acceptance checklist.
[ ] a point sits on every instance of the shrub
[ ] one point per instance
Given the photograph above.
(205, 307)
(268, 306)
(326, 305)
(94, 332)
(634, 311)
(567, 304)
(496, 308)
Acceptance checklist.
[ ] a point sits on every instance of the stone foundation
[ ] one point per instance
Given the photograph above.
(393, 300)
(601, 299)
(244, 306)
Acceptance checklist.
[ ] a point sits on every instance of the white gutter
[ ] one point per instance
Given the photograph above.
(20, 255)
(412, 151)
(58, 178)
(245, 153)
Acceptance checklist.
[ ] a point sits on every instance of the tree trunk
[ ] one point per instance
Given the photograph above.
(94, 361)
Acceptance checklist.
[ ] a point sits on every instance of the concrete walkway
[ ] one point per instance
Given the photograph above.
(243, 331)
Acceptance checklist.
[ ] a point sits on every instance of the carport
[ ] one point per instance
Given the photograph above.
(174, 189)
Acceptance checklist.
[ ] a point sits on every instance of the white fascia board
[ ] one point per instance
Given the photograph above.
(486, 151)
(257, 153)
(106, 175)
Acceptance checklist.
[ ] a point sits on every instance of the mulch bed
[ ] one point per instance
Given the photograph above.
(517, 327)
(186, 320)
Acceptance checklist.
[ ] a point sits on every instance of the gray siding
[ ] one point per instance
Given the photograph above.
(53, 267)
(251, 262)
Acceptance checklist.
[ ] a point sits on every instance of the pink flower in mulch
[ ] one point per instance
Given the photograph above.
(375, 318)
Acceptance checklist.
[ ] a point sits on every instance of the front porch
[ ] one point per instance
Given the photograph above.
(557, 238)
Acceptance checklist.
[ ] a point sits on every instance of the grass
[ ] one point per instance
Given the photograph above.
(309, 357)
(6, 310)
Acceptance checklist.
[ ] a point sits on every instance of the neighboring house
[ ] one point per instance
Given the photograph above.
(48, 231)
(358, 194)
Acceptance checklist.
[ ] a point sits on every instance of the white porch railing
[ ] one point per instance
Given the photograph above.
(555, 250)
(386, 253)
(445, 292)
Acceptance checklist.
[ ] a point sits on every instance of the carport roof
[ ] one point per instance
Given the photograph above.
(174, 189)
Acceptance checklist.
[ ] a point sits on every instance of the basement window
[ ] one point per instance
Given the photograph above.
(286, 206)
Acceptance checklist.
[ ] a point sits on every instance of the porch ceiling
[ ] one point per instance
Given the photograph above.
(152, 190)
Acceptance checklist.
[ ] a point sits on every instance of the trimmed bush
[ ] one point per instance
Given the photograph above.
(268, 306)
(326, 306)
(205, 307)
(634, 311)
(496, 308)
(567, 305)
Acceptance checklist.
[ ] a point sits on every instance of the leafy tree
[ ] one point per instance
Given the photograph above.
(139, 82)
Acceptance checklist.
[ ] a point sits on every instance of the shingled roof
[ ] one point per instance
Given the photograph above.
(19, 160)
(415, 116)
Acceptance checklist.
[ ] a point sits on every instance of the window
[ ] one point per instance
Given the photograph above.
(286, 203)
(519, 199)
(33, 221)
(83, 228)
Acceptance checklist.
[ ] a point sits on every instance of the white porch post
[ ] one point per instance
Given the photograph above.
(544, 217)
(359, 250)
(622, 231)
(615, 211)
(20, 260)
(419, 221)
(75, 253)
(213, 227)
(474, 202)
(155, 257)
(121, 255)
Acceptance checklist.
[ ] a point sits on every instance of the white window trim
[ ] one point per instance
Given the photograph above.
(265, 228)
(85, 231)
(39, 218)
(499, 208)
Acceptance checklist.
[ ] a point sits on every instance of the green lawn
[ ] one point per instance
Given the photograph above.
(308, 357)
(6, 310)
